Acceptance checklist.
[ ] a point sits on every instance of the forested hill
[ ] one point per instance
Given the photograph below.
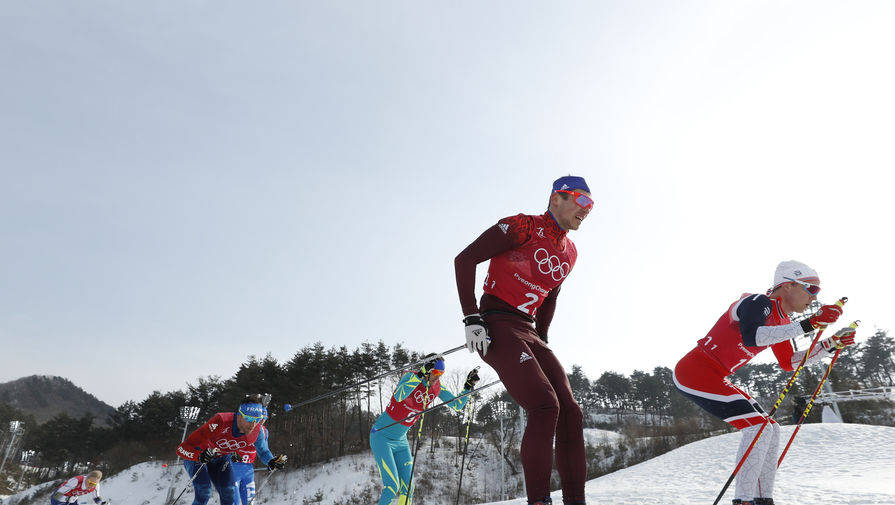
(45, 396)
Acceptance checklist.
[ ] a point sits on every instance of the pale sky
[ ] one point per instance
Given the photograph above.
(185, 184)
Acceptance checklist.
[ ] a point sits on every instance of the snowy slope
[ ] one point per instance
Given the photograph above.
(829, 463)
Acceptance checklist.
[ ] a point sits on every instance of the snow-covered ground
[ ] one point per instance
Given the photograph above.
(845, 464)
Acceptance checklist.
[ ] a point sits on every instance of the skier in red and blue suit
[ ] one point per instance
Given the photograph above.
(244, 463)
(72, 489)
(750, 325)
(531, 256)
(415, 392)
(206, 453)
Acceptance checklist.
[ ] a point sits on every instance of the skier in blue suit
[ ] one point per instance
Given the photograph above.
(416, 391)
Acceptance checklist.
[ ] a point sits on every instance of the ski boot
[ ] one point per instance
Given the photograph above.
(763, 501)
(741, 502)
(545, 501)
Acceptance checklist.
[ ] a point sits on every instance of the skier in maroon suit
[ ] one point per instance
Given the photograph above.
(530, 257)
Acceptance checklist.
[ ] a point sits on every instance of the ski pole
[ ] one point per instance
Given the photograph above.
(267, 478)
(465, 449)
(767, 420)
(287, 407)
(374, 430)
(416, 447)
(188, 484)
(813, 397)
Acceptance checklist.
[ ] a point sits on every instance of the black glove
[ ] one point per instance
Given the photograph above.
(428, 366)
(277, 462)
(471, 379)
(207, 455)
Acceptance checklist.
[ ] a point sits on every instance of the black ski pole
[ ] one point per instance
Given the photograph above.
(287, 407)
(267, 478)
(188, 484)
(416, 447)
(443, 404)
(465, 449)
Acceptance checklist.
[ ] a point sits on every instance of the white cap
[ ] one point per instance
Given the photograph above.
(787, 271)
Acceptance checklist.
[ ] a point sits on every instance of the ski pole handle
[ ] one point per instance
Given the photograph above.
(798, 370)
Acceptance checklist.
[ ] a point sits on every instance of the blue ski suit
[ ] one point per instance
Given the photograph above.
(244, 467)
(390, 447)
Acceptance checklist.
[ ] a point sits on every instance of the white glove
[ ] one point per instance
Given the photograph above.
(842, 338)
(476, 333)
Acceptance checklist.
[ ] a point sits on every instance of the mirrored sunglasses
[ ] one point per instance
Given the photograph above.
(812, 289)
(92, 482)
(583, 201)
(436, 372)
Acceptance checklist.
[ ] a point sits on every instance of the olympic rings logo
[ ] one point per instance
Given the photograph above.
(550, 264)
(420, 397)
(231, 445)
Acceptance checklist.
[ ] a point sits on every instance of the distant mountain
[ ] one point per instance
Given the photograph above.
(45, 396)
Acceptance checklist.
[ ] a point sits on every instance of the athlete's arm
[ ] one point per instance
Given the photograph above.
(452, 401)
(261, 448)
(64, 488)
(198, 440)
(96, 497)
(508, 233)
(752, 313)
(795, 357)
(544, 316)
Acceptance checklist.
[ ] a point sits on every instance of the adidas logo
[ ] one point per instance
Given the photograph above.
(214, 426)
(503, 227)
(564, 186)
(524, 357)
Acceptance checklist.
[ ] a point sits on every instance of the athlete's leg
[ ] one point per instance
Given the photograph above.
(223, 477)
(245, 481)
(404, 462)
(703, 383)
(765, 488)
(201, 483)
(571, 462)
(388, 469)
(513, 360)
(248, 489)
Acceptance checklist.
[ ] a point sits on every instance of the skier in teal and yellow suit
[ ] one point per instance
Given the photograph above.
(415, 392)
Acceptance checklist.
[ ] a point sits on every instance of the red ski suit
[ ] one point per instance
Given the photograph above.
(702, 374)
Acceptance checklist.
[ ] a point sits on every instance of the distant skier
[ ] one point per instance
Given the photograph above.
(74, 488)
(799, 404)
(207, 451)
(244, 463)
(752, 324)
(531, 256)
(391, 450)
